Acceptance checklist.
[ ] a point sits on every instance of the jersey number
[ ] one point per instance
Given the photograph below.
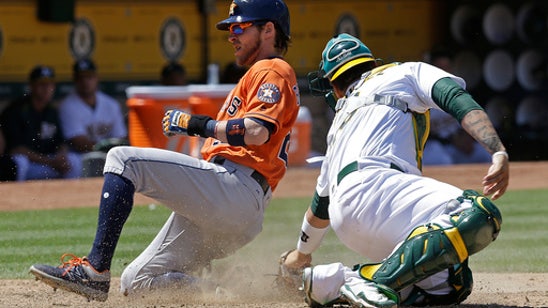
(233, 107)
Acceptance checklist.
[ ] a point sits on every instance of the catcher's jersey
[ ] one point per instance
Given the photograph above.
(269, 92)
(375, 134)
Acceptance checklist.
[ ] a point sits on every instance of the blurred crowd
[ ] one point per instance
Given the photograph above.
(522, 126)
(44, 139)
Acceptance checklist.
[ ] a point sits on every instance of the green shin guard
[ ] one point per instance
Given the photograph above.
(461, 282)
(430, 249)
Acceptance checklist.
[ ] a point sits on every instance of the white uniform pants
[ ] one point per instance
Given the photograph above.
(373, 210)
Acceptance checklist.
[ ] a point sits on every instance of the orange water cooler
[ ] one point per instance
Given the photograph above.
(147, 105)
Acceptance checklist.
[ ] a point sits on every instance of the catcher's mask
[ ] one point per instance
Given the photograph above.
(257, 10)
(320, 86)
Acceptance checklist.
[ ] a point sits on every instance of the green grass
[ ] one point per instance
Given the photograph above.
(29, 237)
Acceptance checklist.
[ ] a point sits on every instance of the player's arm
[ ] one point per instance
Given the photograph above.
(238, 132)
(474, 120)
(314, 227)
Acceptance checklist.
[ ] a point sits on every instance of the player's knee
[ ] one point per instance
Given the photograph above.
(480, 224)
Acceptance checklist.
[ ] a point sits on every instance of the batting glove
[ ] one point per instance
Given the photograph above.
(175, 122)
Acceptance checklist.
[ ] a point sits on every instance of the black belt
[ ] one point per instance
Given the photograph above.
(219, 160)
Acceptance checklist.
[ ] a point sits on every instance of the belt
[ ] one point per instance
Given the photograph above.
(353, 166)
(261, 180)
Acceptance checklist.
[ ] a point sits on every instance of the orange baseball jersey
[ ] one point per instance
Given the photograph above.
(268, 91)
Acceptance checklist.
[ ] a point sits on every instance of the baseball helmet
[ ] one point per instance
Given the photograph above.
(255, 10)
(341, 53)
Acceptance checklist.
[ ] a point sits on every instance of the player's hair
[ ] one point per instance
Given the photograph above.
(352, 74)
(282, 41)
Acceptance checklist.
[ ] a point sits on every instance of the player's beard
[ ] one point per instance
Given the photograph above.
(250, 56)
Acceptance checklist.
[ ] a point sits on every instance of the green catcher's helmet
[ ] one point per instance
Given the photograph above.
(341, 53)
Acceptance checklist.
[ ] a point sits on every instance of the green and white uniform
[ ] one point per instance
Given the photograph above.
(371, 175)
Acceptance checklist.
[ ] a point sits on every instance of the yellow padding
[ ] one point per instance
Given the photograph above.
(367, 271)
(422, 230)
(454, 237)
(479, 202)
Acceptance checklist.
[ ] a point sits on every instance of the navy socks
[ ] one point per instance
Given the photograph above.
(114, 209)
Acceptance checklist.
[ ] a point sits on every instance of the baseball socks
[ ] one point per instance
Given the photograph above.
(114, 209)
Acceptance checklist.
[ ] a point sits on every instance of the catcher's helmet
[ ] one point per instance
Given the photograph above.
(341, 53)
(252, 10)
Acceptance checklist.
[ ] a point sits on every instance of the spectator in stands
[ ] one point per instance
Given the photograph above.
(8, 168)
(173, 74)
(92, 121)
(33, 134)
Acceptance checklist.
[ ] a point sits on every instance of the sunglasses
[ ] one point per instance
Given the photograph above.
(238, 29)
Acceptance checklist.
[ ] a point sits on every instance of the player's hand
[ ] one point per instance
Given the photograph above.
(497, 179)
(295, 259)
(175, 122)
(290, 270)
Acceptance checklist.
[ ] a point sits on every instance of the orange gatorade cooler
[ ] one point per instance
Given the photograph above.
(208, 99)
(147, 105)
(300, 143)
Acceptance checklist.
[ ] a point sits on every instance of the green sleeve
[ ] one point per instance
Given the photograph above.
(320, 206)
(453, 99)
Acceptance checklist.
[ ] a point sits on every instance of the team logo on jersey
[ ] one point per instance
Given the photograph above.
(269, 93)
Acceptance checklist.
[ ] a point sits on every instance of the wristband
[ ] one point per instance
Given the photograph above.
(197, 126)
(210, 128)
(503, 153)
(310, 238)
(235, 132)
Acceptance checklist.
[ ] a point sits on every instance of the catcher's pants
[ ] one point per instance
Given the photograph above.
(373, 210)
(216, 210)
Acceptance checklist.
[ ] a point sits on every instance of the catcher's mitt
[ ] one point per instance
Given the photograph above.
(289, 280)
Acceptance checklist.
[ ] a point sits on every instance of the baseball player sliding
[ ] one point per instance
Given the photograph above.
(218, 202)
(417, 232)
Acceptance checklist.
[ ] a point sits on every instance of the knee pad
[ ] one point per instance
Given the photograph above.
(479, 225)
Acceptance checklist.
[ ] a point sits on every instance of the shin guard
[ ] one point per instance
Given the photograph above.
(430, 248)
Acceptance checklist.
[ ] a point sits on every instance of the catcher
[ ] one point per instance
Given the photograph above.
(417, 232)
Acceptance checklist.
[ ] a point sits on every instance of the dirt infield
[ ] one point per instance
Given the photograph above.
(491, 290)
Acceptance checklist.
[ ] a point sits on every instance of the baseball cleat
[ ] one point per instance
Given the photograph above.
(368, 294)
(75, 275)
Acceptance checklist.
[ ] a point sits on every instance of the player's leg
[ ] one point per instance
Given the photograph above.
(440, 245)
(90, 276)
(217, 209)
(170, 260)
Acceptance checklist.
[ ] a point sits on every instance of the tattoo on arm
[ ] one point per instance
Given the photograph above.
(478, 125)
